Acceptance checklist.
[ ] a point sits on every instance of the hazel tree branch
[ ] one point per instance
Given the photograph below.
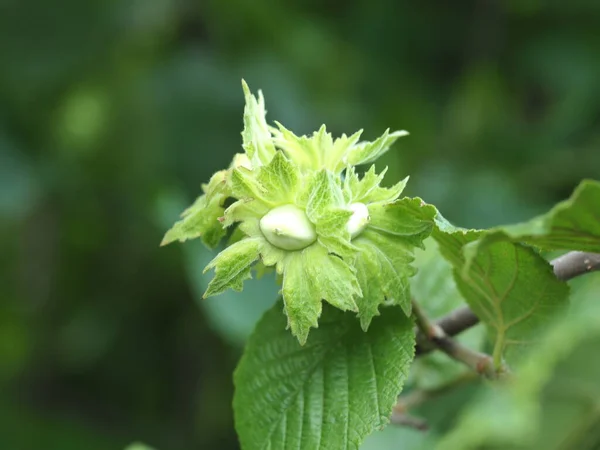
(573, 264)
(477, 361)
(566, 267)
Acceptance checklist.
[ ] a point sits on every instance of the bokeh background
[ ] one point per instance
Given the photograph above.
(113, 112)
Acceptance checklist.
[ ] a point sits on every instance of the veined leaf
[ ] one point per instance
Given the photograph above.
(262, 188)
(300, 149)
(279, 179)
(232, 266)
(434, 288)
(367, 189)
(552, 403)
(330, 393)
(302, 302)
(335, 158)
(366, 152)
(316, 152)
(201, 219)
(325, 207)
(408, 219)
(511, 288)
(384, 262)
(573, 224)
(333, 233)
(256, 137)
(245, 185)
(334, 279)
(311, 276)
(322, 193)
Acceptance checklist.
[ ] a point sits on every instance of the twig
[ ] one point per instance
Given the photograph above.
(566, 267)
(406, 420)
(573, 264)
(454, 323)
(416, 397)
(477, 361)
(457, 321)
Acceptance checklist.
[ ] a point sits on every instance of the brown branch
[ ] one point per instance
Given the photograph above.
(566, 267)
(477, 361)
(573, 264)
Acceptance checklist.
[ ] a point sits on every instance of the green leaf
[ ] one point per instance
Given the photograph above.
(256, 137)
(334, 279)
(511, 288)
(302, 301)
(202, 218)
(333, 234)
(330, 393)
(232, 266)
(409, 219)
(279, 179)
(245, 185)
(315, 152)
(367, 189)
(313, 275)
(552, 403)
(386, 252)
(300, 149)
(366, 152)
(273, 184)
(335, 158)
(325, 207)
(573, 224)
(248, 212)
(434, 288)
(322, 194)
(259, 190)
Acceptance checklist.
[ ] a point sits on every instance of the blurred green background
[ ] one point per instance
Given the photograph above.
(112, 113)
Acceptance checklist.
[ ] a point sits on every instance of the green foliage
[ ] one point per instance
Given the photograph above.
(346, 240)
(367, 152)
(552, 404)
(330, 393)
(386, 253)
(511, 288)
(107, 131)
(289, 191)
(434, 287)
(201, 219)
(232, 266)
(573, 224)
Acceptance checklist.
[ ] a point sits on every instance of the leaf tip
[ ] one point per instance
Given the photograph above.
(167, 238)
(245, 88)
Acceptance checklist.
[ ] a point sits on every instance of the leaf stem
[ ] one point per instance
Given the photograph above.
(498, 349)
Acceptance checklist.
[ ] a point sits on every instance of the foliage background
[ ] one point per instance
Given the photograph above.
(113, 112)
